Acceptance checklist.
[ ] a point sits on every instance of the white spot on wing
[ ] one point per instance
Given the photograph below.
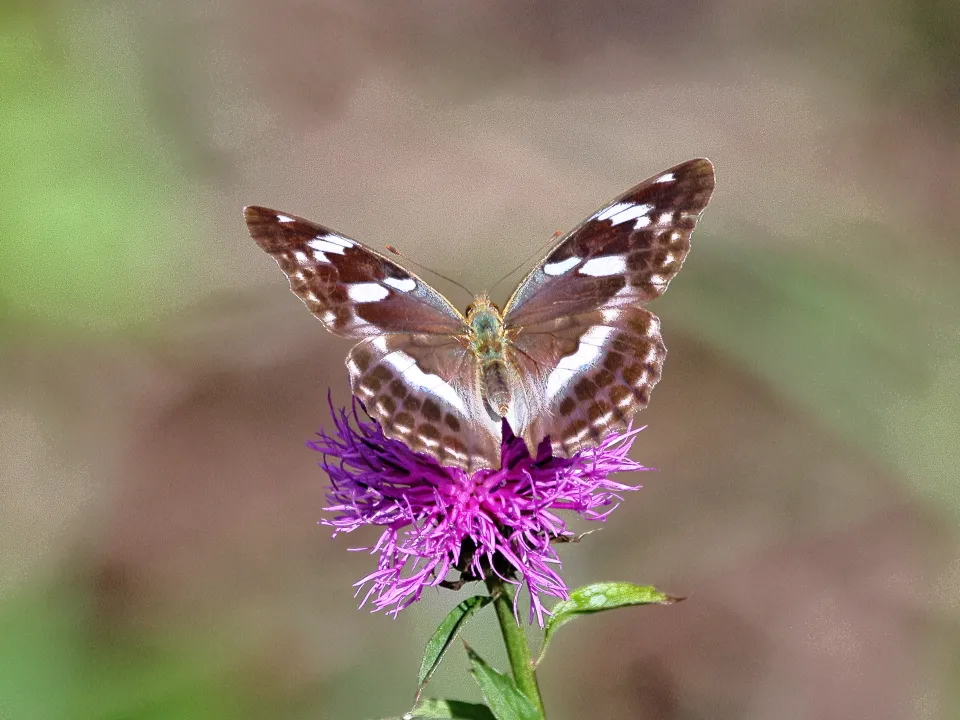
(514, 415)
(666, 177)
(609, 212)
(429, 442)
(641, 222)
(402, 284)
(325, 246)
(624, 212)
(338, 240)
(301, 256)
(604, 419)
(559, 268)
(285, 218)
(456, 453)
(591, 345)
(320, 257)
(366, 292)
(610, 315)
(653, 329)
(365, 390)
(427, 382)
(604, 266)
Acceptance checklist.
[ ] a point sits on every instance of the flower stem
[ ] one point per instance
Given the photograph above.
(515, 638)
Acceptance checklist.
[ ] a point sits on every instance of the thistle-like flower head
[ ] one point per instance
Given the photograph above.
(440, 520)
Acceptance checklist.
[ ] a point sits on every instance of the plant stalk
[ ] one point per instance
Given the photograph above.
(515, 638)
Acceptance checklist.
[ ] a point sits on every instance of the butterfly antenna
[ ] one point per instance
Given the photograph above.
(526, 261)
(410, 261)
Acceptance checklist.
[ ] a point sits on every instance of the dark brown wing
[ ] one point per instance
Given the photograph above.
(623, 255)
(353, 290)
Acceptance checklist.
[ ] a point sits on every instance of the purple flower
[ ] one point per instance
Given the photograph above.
(437, 520)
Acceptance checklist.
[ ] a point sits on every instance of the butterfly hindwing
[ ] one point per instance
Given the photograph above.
(353, 290)
(422, 389)
(609, 361)
(623, 255)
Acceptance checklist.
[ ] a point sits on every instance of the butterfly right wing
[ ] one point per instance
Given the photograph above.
(353, 290)
(423, 391)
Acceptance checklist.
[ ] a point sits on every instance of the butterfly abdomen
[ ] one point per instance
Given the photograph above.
(488, 341)
(496, 389)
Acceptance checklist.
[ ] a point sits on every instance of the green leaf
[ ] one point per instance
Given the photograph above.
(501, 692)
(598, 597)
(448, 710)
(451, 625)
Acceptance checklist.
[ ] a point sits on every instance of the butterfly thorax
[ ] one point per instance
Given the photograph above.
(488, 342)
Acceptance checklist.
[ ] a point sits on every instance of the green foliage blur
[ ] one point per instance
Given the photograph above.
(62, 658)
(94, 195)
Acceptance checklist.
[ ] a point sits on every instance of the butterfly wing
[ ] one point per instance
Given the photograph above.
(584, 376)
(353, 290)
(624, 254)
(412, 369)
(423, 390)
(586, 352)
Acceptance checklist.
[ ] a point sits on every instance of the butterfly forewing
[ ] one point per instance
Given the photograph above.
(353, 290)
(625, 254)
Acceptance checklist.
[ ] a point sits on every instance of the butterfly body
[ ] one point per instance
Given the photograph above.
(489, 345)
(572, 357)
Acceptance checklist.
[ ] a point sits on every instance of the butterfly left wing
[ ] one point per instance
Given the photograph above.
(354, 291)
(586, 352)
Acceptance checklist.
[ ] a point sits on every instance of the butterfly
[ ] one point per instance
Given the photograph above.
(572, 356)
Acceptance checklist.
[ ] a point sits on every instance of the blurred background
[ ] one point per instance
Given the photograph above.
(160, 553)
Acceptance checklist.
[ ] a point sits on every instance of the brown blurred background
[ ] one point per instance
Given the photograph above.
(160, 553)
